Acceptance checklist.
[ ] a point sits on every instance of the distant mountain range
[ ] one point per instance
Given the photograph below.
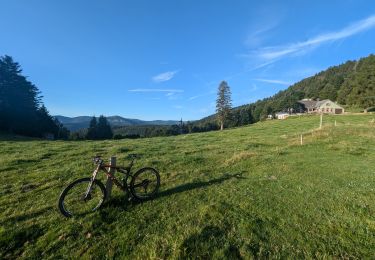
(80, 122)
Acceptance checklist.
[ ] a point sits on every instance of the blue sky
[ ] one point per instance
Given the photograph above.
(165, 59)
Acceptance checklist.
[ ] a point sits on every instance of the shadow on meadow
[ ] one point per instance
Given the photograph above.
(198, 185)
(124, 202)
(12, 241)
(211, 241)
(26, 216)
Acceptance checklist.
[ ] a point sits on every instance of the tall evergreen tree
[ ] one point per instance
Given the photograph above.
(21, 108)
(104, 130)
(223, 103)
(92, 130)
(45, 122)
(19, 99)
(62, 132)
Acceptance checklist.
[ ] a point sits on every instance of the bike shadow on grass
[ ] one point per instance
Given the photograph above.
(124, 202)
(198, 185)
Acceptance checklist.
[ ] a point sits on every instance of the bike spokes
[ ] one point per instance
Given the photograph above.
(77, 201)
(145, 184)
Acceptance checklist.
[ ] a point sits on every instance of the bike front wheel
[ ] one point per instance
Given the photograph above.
(75, 200)
(145, 183)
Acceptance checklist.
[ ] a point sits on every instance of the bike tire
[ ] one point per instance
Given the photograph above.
(65, 192)
(138, 180)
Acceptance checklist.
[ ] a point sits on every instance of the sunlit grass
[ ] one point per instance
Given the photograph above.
(248, 192)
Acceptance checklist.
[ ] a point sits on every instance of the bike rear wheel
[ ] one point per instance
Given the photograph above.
(74, 201)
(145, 183)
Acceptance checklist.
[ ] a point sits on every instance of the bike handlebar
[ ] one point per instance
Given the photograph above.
(97, 159)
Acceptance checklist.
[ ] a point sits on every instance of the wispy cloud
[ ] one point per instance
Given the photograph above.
(274, 81)
(202, 95)
(156, 90)
(172, 95)
(264, 19)
(154, 98)
(256, 37)
(269, 55)
(164, 76)
(195, 97)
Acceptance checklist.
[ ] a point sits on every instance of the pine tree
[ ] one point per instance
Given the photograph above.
(45, 122)
(18, 98)
(104, 130)
(62, 132)
(21, 108)
(92, 130)
(223, 103)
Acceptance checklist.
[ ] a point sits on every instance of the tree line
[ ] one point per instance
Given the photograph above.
(99, 129)
(133, 132)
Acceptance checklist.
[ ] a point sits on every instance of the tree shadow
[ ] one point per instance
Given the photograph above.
(210, 242)
(25, 216)
(13, 239)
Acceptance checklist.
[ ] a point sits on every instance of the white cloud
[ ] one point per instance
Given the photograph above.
(178, 107)
(202, 95)
(274, 81)
(156, 90)
(197, 96)
(269, 55)
(263, 20)
(164, 76)
(194, 97)
(172, 95)
(255, 38)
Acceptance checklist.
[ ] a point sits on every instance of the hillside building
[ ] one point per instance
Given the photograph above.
(281, 115)
(320, 106)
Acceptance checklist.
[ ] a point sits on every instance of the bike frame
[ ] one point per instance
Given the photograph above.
(106, 168)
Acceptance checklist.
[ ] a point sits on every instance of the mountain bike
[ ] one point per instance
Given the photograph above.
(88, 194)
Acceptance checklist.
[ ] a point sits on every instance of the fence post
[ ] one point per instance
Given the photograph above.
(109, 183)
(335, 123)
(301, 139)
(321, 121)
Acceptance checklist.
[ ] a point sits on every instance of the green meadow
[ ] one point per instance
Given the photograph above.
(248, 192)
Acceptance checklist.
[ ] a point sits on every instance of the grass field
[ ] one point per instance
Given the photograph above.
(249, 192)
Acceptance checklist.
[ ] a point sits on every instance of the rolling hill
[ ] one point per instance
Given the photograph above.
(80, 122)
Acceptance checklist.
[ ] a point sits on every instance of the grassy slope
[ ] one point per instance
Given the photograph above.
(251, 191)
